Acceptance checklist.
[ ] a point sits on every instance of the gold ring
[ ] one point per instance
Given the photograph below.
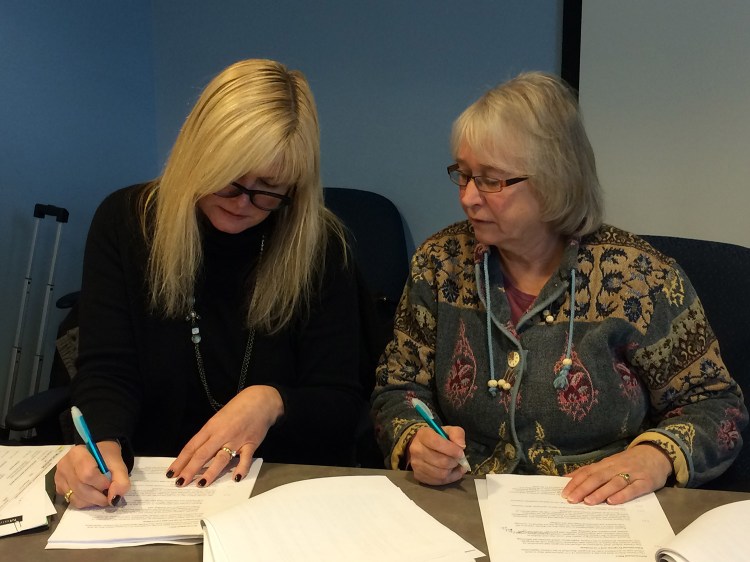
(229, 452)
(625, 476)
(68, 494)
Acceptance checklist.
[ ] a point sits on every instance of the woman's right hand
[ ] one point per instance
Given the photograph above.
(433, 458)
(78, 471)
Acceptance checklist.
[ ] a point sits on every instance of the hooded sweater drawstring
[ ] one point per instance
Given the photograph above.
(492, 384)
(561, 380)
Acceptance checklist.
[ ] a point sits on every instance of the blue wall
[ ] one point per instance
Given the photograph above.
(76, 120)
(389, 77)
(94, 93)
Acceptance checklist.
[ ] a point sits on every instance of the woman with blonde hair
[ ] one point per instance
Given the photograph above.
(546, 341)
(218, 311)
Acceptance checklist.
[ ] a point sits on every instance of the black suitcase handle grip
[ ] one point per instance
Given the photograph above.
(41, 211)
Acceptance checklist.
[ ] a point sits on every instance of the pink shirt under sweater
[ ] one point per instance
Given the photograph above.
(519, 301)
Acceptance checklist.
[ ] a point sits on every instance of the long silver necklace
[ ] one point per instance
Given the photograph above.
(195, 337)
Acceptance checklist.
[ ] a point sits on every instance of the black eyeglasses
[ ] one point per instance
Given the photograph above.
(483, 183)
(264, 200)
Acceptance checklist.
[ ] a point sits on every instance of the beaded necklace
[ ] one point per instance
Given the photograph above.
(195, 337)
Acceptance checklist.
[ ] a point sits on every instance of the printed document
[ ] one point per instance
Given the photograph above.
(28, 511)
(525, 519)
(24, 503)
(153, 511)
(21, 466)
(344, 518)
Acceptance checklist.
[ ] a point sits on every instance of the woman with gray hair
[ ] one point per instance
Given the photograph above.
(546, 341)
(218, 312)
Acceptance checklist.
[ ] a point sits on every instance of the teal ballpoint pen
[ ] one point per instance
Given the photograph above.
(427, 416)
(83, 431)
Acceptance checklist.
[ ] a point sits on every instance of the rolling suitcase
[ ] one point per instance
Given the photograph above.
(61, 217)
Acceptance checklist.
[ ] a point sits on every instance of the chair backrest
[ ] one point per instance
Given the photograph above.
(378, 239)
(720, 272)
(378, 242)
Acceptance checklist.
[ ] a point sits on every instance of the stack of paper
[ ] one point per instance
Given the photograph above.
(363, 518)
(24, 503)
(153, 511)
(526, 519)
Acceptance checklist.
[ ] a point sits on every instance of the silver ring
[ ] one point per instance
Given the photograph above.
(625, 476)
(67, 495)
(229, 452)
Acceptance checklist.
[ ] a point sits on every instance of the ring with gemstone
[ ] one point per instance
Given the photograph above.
(625, 476)
(229, 452)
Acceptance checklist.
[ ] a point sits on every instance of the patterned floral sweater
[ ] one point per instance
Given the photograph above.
(646, 364)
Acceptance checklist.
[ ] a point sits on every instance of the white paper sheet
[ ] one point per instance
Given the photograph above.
(526, 520)
(718, 534)
(24, 503)
(22, 466)
(363, 518)
(153, 511)
(28, 511)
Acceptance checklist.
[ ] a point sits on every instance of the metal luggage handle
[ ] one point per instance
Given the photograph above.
(61, 216)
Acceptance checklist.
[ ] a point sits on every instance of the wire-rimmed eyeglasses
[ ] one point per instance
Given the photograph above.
(264, 200)
(483, 183)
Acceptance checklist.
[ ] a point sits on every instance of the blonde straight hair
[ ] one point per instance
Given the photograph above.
(256, 117)
(533, 120)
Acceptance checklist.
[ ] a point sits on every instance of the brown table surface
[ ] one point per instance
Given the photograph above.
(455, 506)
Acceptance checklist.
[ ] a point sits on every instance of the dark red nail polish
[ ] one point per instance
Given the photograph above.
(170, 473)
(201, 482)
(180, 481)
(237, 477)
(116, 500)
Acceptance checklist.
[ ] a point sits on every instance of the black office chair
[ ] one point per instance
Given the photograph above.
(378, 245)
(720, 272)
(42, 411)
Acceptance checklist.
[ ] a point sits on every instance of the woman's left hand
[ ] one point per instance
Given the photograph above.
(619, 478)
(240, 427)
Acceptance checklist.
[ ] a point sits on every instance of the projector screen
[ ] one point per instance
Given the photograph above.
(665, 93)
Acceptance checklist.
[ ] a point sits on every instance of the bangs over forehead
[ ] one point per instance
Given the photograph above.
(492, 134)
(290, 163)
(267, 147)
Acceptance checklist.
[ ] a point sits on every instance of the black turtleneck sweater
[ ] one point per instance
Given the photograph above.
(137, 372)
